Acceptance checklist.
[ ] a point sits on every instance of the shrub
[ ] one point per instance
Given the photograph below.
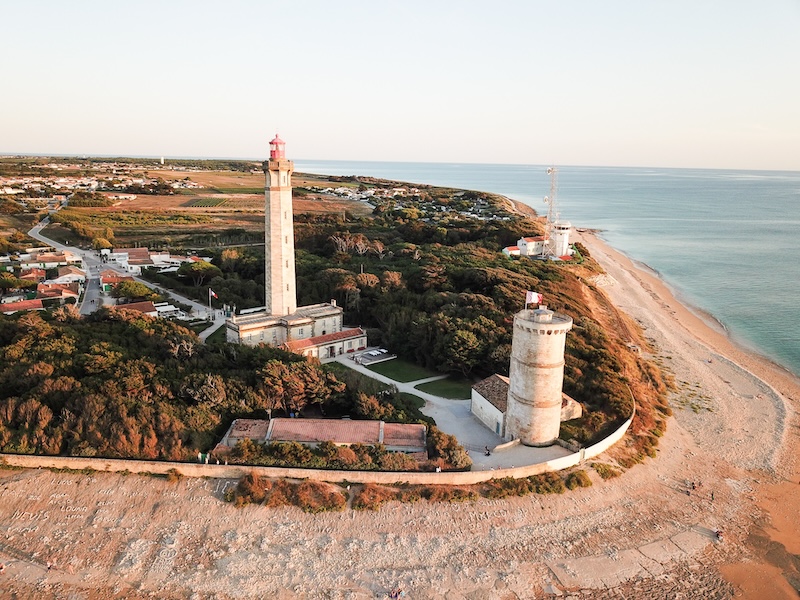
(577, 479)
(372, 496)
(605, 471)
(447, 493)
(397, 461)
(445, 446)
(548, 483)
(346, 456)
(278, 492)
(174, 476)
(507, 486)
(251, 489)
(316, 497)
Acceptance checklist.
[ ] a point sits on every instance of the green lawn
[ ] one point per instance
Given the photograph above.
(401, 370)
(457, 389)
(412, 399)
(217, 337)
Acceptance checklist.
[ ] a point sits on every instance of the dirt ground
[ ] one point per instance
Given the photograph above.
(646, 534)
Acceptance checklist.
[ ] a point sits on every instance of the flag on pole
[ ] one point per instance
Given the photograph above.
(212, 293)
(533, 297)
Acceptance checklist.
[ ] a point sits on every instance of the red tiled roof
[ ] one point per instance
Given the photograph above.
(112, 277)
(495, 389)
(21, 305)
(57, 290)
(321, 340)
(538, 238)
(399, 434)
(143, 307)
(70, 270)
(322, 430)
(34, 273)
(254, 429)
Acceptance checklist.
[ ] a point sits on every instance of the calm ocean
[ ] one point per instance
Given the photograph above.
(725, 241)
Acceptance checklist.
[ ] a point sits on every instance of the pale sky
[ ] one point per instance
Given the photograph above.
(712, 83)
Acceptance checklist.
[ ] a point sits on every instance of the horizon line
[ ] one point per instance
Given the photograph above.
(85, 156)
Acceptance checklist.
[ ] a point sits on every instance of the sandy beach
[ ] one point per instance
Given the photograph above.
(645, 534)
(752, 426)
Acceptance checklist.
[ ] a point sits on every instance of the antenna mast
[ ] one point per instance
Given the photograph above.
(547, 247)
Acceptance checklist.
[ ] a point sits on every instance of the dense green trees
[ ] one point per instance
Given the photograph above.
(9, 282)
(119, 383)
(199, 271)
(83, 199)
(133, 290)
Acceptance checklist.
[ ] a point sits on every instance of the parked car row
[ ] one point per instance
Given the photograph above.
(377, 352)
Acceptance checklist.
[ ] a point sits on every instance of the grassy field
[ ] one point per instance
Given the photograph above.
(456, 389)
(412, 399)
(62, 235)
(206, 202)
(401, 370)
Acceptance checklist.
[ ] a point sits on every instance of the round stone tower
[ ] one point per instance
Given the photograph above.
(536, 376)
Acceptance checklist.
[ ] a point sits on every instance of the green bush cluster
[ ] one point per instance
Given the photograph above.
(577, 479)
(606, 471)
(545, 483)
(372, 496)
(327, 455)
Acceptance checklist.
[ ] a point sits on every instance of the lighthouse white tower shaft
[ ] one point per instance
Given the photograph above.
(280, 291)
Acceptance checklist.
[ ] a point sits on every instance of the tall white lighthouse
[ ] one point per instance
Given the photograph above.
(280, 291)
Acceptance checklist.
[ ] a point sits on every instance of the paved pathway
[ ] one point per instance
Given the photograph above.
(454, 417)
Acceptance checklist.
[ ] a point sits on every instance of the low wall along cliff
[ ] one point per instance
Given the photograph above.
(238, 471)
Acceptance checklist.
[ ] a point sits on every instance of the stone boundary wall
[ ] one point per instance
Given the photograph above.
(189, 469)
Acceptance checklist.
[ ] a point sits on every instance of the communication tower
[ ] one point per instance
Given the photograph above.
(552, 215)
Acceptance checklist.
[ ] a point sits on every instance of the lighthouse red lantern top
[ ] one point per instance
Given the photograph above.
(277, 149)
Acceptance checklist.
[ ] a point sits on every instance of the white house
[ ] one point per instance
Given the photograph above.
(489, 403)
(69, 274)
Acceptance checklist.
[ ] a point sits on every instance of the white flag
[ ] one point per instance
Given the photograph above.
(533, 298)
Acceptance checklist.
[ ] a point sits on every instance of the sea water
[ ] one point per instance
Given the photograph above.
(725, 241)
